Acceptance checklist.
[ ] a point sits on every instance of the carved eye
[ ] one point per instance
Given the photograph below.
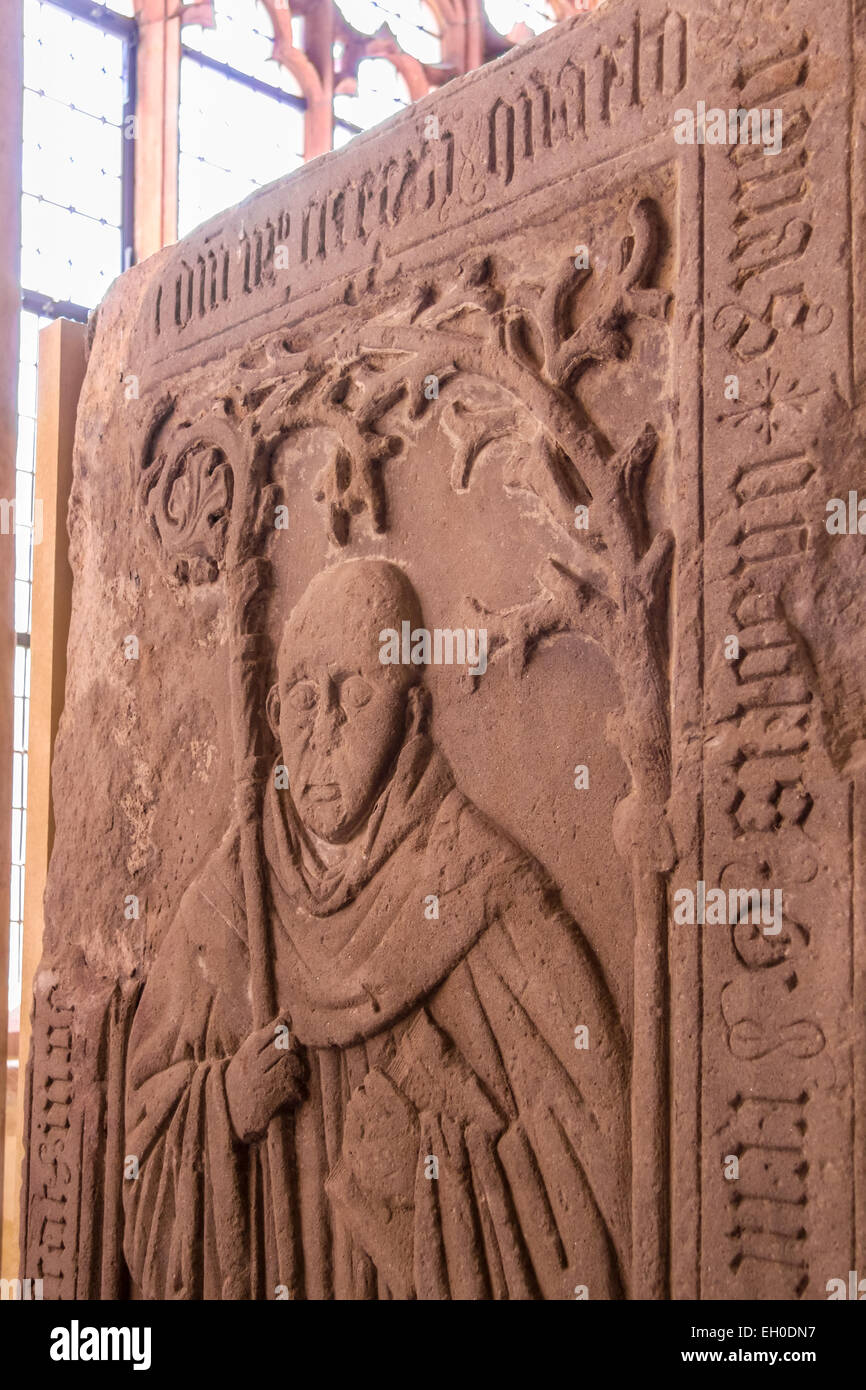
(302, 696)
(354, 693)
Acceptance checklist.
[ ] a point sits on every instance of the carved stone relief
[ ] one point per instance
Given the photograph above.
(478, 621)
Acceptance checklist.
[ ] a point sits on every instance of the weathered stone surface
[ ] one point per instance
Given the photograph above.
(393, 388)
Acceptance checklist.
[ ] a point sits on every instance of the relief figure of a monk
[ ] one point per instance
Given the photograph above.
(448, 1139)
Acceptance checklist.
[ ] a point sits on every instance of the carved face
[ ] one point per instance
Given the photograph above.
(341, 714)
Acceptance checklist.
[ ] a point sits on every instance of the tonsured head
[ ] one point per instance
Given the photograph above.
(339, 713)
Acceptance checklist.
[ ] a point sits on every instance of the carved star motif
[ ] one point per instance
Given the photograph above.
(773, 406)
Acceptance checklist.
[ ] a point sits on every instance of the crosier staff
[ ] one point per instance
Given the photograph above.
(247, 585)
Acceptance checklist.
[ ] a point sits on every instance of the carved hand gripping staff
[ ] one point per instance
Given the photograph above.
(507, 358)
(389, 391)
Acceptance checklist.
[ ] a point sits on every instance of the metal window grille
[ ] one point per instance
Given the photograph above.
(241, 118)
(76, 236)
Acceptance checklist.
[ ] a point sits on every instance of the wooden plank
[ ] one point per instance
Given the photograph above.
(156, 126)
(10, 179)
(61, 372)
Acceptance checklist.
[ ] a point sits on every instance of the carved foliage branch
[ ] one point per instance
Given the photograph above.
(496, 360)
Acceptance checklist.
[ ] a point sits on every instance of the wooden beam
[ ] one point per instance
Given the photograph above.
(61, 373)
(156, 125)
(319, 45)
(10, 236)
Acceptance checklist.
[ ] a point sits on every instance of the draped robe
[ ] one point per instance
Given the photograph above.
(454, 1142)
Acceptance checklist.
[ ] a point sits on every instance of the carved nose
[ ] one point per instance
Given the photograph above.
(328, 720)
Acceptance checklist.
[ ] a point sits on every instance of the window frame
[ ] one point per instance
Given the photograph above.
(32, 301)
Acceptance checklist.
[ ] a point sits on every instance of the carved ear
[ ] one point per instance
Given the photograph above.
(272, 706)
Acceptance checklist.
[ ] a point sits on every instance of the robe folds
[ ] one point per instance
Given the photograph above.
(453, 1142)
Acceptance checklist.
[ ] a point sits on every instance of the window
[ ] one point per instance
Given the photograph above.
(76, 167)
(241, 120)
(380, 91)
(505, 15)
(76, 228)
(413, 24)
